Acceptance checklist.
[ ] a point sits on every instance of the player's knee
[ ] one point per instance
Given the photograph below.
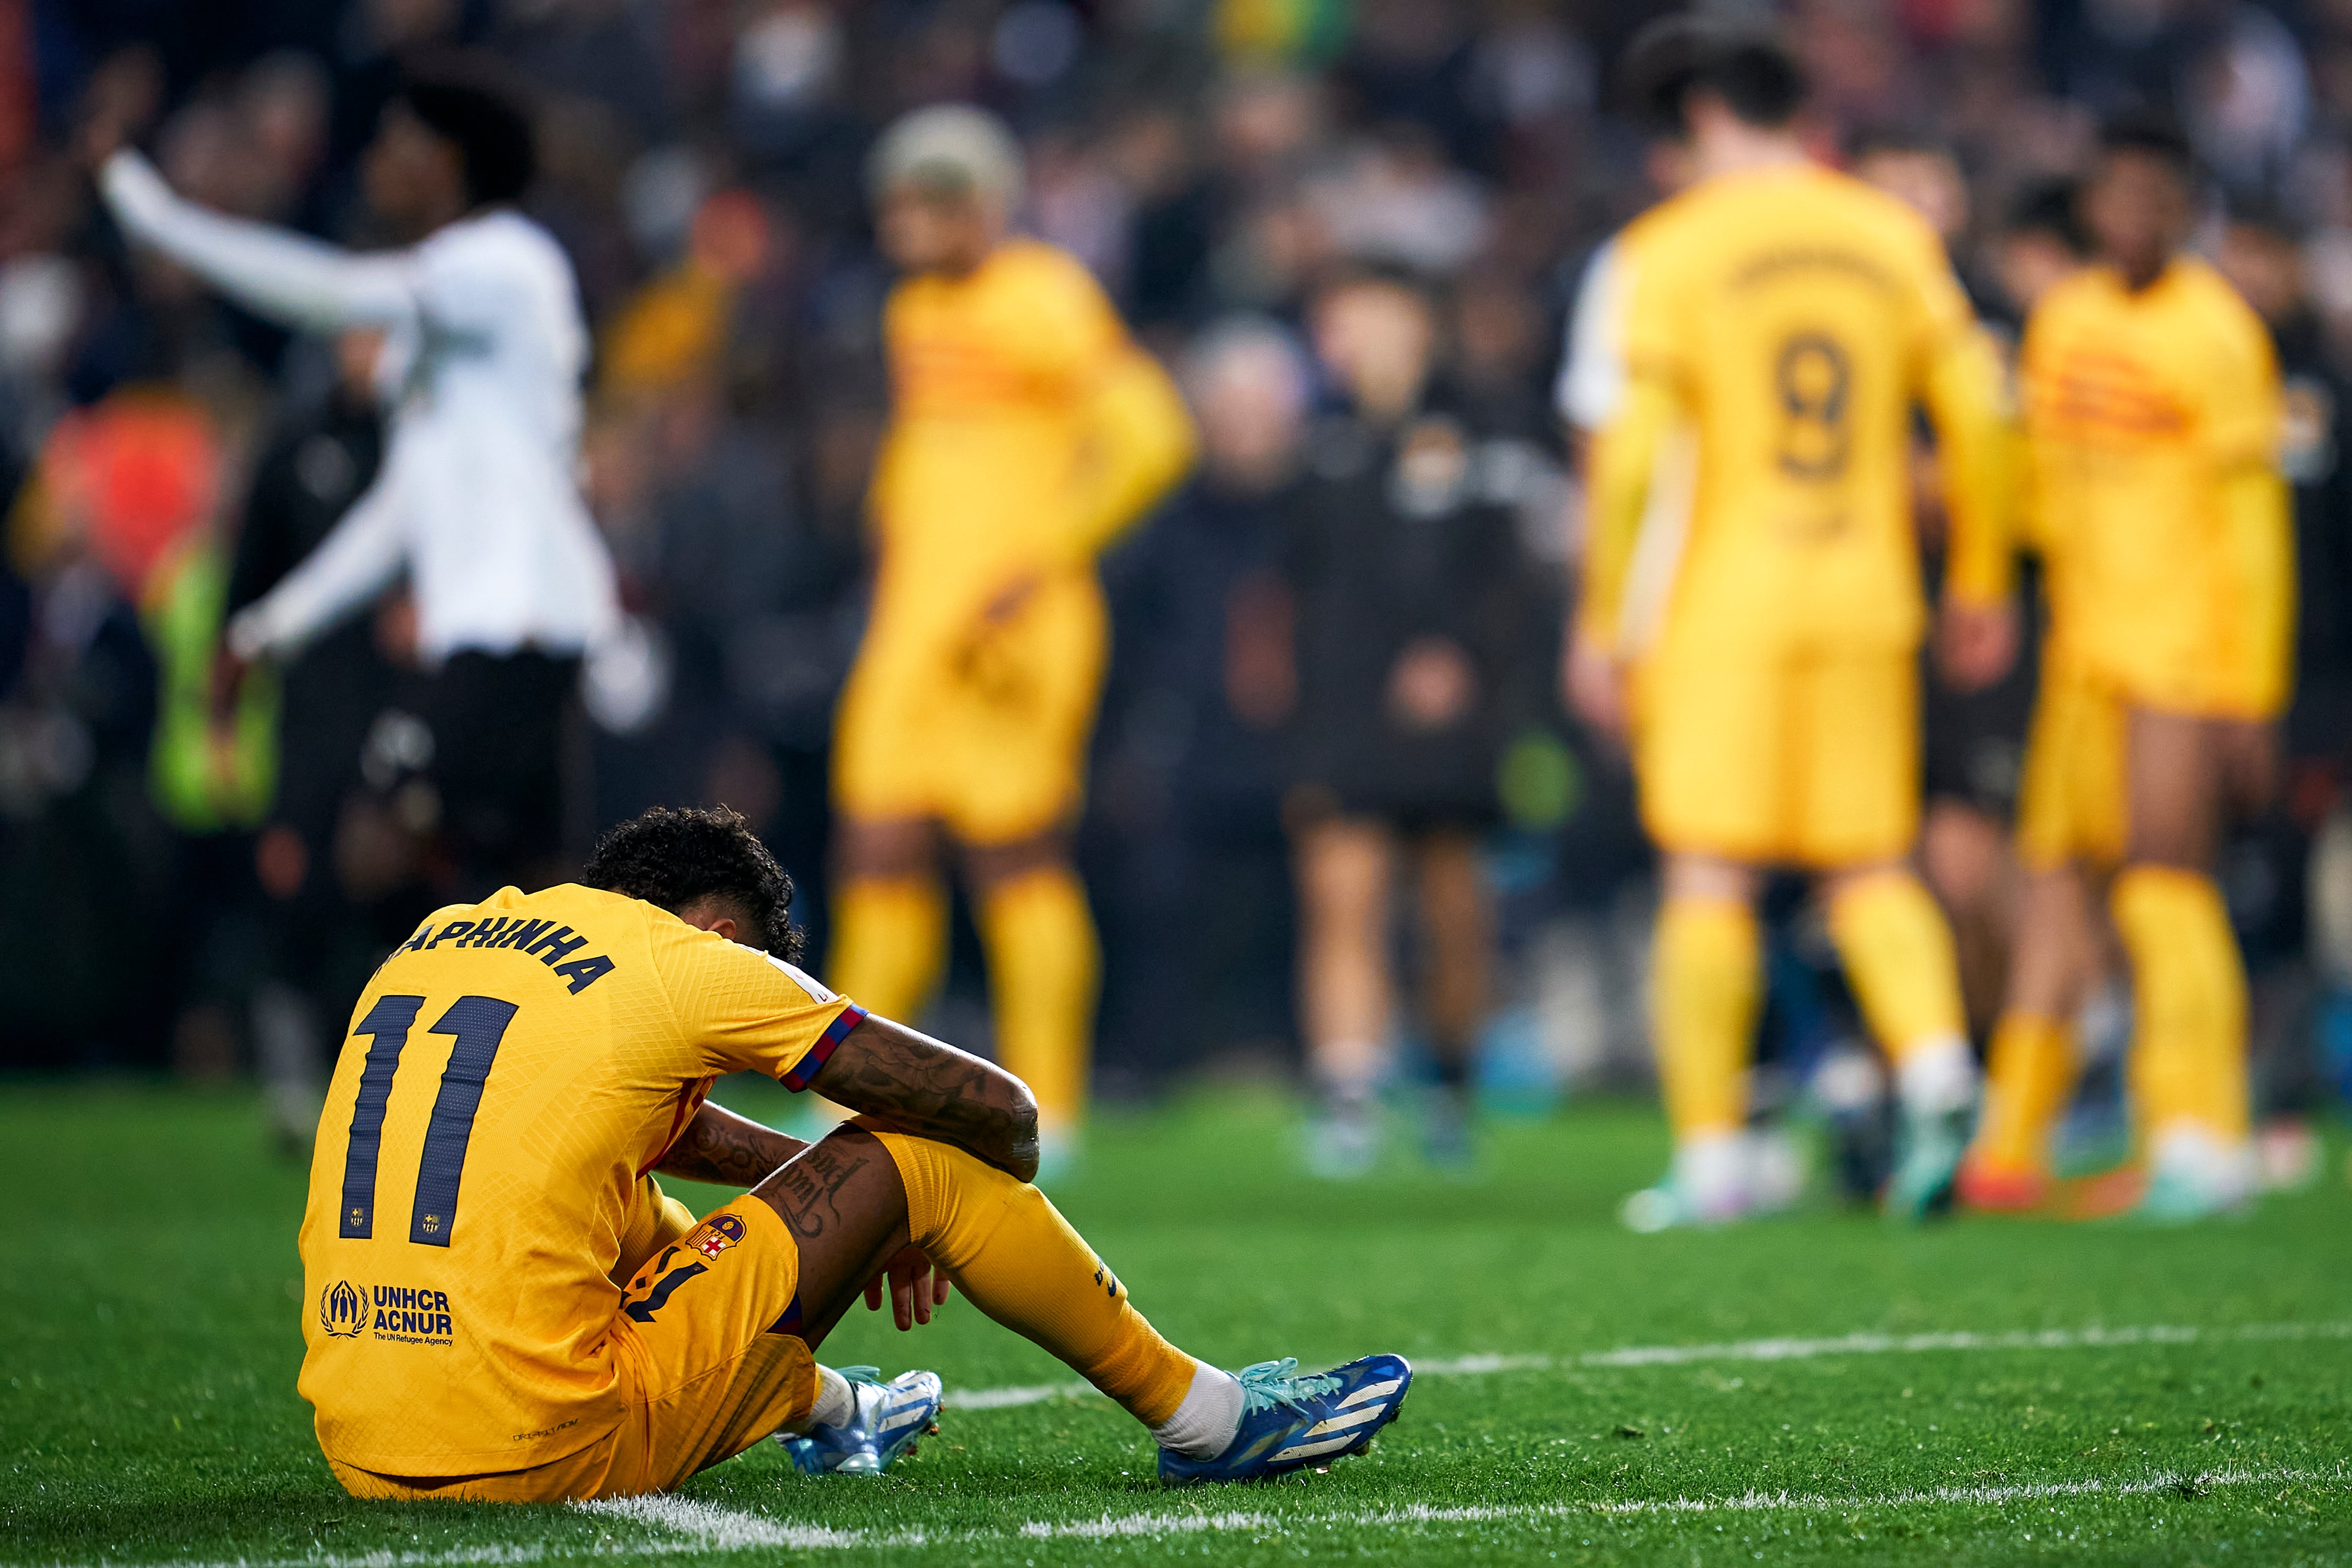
(992, 865)
(884, 851)
(1960, 849)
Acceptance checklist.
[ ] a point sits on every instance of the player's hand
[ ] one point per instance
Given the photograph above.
(915, 1288)
(1593, 681)
(1976, 643)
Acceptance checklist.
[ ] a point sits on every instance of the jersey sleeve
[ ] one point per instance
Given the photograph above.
(1069, 334)
(1592, 369)
(745, 1011)
(1956, 370)
(2240, 412)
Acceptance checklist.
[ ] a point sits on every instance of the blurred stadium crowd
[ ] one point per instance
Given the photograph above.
(172, 894)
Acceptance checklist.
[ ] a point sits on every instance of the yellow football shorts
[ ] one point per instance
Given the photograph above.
(706, 1363)
(986, 733)
(1808, 760)
(2074, 802)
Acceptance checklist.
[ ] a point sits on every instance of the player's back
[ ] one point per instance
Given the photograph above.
(1794, 311)
(989, 375)
(512, 1071)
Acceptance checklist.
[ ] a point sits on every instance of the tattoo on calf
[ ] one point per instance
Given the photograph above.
(807, 1193)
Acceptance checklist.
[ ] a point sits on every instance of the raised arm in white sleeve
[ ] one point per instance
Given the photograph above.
(298, 280)
(352, 565)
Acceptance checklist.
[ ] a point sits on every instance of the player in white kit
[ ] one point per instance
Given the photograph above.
(477, 499)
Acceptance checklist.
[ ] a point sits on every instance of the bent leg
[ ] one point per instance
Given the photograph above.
(855, 1198)
(1008, 1248)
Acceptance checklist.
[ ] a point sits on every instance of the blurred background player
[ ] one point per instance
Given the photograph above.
(1751, 607)
(1409, 593)
(476, 497)
(1027, 430)
(2153, 417)
(1974, 736)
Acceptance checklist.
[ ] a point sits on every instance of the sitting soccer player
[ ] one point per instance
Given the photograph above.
(551, 1326)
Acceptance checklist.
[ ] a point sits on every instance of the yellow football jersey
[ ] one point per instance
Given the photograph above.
(2153, 421)
(512, 1072)
(1026, 428)
(1752, 486)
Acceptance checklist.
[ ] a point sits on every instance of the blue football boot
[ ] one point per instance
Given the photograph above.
(1290, 1422)
(886, 1418)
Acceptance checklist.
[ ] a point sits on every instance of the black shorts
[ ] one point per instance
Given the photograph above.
(501, 726)
(1975, 741)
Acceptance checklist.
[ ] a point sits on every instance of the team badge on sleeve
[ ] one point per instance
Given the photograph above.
(716, 1235)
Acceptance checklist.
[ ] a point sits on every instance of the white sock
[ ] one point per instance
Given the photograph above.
(1205, 1424)
(1938, 1078)
(1712, 1171)
(2188, 1150)
(836, 1401)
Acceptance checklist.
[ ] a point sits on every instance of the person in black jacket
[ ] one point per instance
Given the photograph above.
(1408, 592)
(322, 943)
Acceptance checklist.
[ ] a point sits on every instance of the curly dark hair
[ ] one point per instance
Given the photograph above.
(677, 858)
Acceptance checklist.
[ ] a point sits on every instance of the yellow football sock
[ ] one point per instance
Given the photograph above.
(1007, 1247)
(1898, 957)
(889, 943)
(2028, 1075)
(2189, 1001)
(1705, 987)
(1042, 968)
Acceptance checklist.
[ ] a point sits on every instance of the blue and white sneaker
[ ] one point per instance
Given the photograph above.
(885, 1420)
(1290, 1422)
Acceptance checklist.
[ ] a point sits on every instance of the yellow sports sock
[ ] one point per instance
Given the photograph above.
(889, 943)
(2189, 1001)
(1898, 957)
(1704, 987)
(1042, 968)
(2028, 1075)
(1008, 1248)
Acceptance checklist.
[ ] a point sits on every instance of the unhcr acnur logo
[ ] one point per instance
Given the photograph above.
(342, 1309)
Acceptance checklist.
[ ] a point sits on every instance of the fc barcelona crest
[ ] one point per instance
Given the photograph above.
(716, 1235)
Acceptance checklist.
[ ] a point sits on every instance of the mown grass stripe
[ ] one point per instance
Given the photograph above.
(1768, 1350)
(700, 1528)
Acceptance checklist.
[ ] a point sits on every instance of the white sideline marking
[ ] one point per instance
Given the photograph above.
(719, 1528)
(1147, 1524)
(1763, 1351)
(701, 1529)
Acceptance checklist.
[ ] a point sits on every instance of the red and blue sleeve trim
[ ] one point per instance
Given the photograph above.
(805, 1070)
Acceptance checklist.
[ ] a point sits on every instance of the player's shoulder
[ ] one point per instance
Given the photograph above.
(1025, 263)
(2084, 293)
(501, 239)
(2205, 292)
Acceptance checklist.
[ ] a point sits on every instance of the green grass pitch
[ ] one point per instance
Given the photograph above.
(149, 1335)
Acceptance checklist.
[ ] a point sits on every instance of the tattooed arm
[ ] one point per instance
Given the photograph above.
(911, 1083)
(726, 1150)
